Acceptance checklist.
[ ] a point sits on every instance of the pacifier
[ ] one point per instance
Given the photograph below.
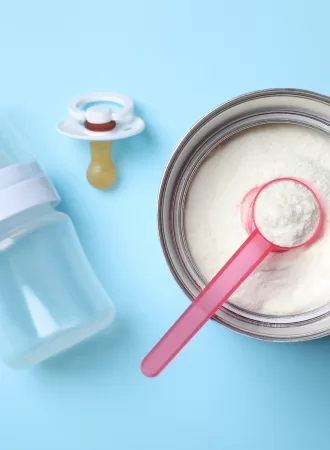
(100, 125)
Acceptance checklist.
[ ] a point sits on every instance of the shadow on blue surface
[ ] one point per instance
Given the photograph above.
(105, 350)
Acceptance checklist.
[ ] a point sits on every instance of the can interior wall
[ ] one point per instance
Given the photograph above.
(292, 106)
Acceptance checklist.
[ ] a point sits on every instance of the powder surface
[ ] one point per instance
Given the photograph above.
(286, 213)
(285, 283)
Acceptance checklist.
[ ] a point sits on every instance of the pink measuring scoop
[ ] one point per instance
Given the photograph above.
(243, 262)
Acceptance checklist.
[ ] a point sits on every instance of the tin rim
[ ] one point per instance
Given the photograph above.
(306, 326)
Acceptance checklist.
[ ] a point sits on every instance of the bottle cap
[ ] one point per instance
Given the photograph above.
(23, 186)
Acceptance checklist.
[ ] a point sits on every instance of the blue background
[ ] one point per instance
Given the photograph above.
(177, 59)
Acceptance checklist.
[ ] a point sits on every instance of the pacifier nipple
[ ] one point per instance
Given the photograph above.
(101, 172)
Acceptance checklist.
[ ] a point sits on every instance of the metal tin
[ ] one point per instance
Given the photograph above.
(262, 107)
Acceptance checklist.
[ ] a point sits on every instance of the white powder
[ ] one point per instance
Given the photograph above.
(285, 283)
(286, 213)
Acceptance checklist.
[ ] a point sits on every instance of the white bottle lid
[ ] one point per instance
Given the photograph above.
(23, 186)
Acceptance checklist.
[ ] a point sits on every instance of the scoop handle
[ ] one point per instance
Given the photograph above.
(227, 280)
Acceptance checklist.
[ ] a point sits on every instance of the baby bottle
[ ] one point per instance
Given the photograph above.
(50, 298)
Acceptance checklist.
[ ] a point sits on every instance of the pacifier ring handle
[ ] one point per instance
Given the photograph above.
(122, 115)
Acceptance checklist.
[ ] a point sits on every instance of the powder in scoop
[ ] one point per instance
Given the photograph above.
(286, 213)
